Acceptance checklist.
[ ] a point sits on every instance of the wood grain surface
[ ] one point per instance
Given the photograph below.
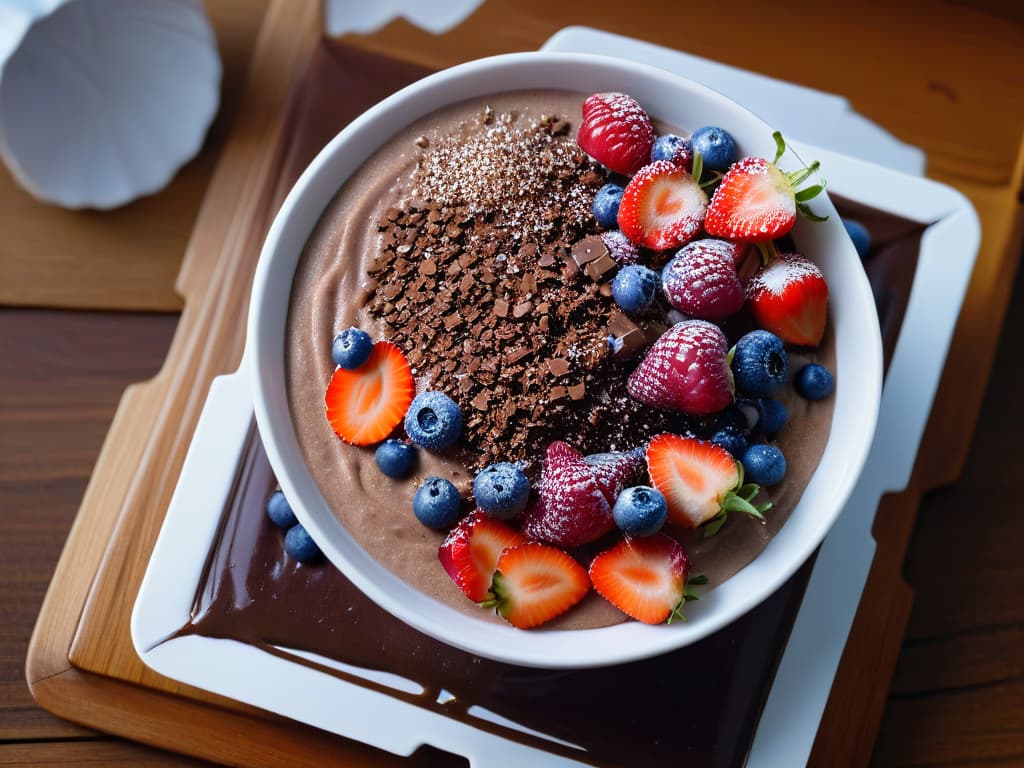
(956, 696)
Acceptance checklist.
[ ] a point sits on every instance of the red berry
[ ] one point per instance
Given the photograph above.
(662, 207)
(685, 370)
(692, 475)
(789, 297)
(754, 202)
(534, 583)
(701, 281)
(575, 495)
(616, 132)
(366, 403)
(470, 552)
(644, 578)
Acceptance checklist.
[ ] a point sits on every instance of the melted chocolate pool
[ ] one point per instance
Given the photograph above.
(697, 706)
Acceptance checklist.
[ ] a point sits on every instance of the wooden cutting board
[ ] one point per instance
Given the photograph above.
(81, 664)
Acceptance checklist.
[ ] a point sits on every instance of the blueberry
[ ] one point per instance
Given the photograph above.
(859, 234)
(437, 503)
(635, 287)
(675, 149)
(395, 458)
(640, 511)
(280, 511)
(501, 490)
(731, 417)
(814, 382)
(300, 545)
(764, 464)
(433, 420)
(606, 206)
(716, 146)
(773, 415)
(351, 348)
(760, 364)
(734, 442)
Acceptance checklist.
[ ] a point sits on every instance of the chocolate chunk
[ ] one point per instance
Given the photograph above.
(501, 308)
(428, 267)
(603, 264)
(589, 249)
(522, 308)
(577, 391)
(558, 366)
(480, 401)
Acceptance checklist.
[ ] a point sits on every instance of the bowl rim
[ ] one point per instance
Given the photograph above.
(858, 386)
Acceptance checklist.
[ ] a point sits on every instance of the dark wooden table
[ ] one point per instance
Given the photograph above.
(87, 307)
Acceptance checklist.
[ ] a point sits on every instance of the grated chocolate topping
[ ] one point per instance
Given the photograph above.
(478, 283)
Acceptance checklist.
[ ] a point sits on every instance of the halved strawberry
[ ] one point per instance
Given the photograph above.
(789, 297)
(366, 403)
(701, 482)
(662, 207)
(470, 552)
(642, 577)
(616, 132)
(756, 202)
(534, 583)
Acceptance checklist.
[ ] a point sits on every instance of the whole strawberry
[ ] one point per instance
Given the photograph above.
(685, 370)
(756, 202)
(575, 495)
(701, 281)
(616, 132)
(789, 297)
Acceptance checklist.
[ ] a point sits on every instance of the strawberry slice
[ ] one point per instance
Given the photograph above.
(470, 553)
(756, 202)
(366, 403)
(789, 297)
(643, 577)
(701, 482)
(616, 132)
(662, 207)
(534, 583)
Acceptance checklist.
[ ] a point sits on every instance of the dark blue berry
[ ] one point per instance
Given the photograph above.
(730, 417)
(752, 414)
(395, 458)
(773, 416)
(734, 442)
(716, 146)
(606, 206)
(433, 420)
(764, 464)
(501, 490)
(300, 545)
(351, 348)
(760, 364)
(814, 382)
(675, 149)
(635, 288)
(280, 511)
(860, 236)
(640, 511)
(437, 503)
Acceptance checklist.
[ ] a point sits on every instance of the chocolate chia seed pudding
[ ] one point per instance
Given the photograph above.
(468, 242)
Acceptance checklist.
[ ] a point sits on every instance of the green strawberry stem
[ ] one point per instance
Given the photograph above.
(738, 499)
(796, 178)
(697, 167)
(677, 613)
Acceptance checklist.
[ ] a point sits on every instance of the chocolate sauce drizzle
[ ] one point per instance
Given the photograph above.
(697, 706)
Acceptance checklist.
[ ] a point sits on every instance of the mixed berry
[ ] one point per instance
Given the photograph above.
(690, 235)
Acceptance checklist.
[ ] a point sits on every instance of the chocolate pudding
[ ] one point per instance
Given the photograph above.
(456, 242)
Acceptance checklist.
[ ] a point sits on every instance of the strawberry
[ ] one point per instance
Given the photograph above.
(789, 297)
(575, 495)
(662, 207)
(366, 403)
(469, 554)
(756, 202)
(686, 370)
(643, 577)
(616, 132)
(534, 583)
(701, 482)
(701, 280)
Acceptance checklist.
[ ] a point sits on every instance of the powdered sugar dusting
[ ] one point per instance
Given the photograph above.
(782, 272)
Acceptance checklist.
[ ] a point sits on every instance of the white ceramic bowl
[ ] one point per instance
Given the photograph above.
(671, 99)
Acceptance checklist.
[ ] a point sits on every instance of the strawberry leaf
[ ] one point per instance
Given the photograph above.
(697, 581)
(714, 525)
(808, 214)
(697, 167)
(780, 147)
(811, 192)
